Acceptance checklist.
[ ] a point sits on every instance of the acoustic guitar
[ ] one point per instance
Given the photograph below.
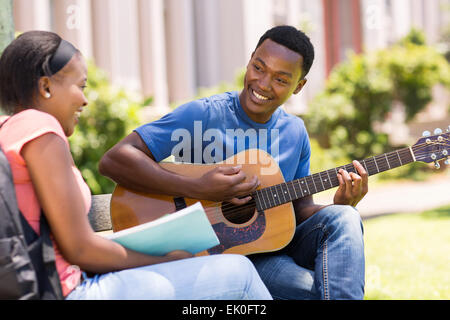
(267, 222)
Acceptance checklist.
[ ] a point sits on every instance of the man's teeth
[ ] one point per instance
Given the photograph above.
(260, 96)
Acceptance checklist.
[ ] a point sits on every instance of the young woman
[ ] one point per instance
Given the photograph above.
(42, 78)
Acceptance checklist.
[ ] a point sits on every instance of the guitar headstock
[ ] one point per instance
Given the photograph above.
(432, 148)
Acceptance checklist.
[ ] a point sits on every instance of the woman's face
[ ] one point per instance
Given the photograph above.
(66, 99)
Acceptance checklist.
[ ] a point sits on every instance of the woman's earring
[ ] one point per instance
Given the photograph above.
(47, 95)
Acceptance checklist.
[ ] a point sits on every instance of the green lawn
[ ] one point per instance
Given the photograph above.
(408, 256)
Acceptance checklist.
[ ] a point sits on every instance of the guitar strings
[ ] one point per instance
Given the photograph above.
(235, 211)
(231, 209)
(317, 177)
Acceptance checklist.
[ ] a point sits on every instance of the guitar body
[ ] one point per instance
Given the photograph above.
(267, 222)
(240, 229)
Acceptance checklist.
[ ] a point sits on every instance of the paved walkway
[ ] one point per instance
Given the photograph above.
(401, 197)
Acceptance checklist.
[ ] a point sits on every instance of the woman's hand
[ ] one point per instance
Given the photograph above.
(178, 255)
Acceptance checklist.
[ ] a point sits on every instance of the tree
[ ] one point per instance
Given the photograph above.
(360, 93)
(6, 26)
(6, 23)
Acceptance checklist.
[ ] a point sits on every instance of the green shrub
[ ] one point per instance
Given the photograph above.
(112, 114)
(361, 92)
(356, 95)
(325, 159)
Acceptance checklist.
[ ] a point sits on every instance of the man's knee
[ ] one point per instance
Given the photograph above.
(345, 218)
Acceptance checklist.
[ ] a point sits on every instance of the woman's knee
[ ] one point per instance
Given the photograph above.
(238, 269)
(234, 264)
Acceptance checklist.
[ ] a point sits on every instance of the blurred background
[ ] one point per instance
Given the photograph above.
(381, 77)
(168, 49)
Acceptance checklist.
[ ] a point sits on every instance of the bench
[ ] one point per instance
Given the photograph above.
(99, 214)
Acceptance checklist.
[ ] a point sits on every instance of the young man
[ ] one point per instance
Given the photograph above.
(325, 259)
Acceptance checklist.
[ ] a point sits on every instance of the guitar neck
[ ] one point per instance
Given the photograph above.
(276, 195)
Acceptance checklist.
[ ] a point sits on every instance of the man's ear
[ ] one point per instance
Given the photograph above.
(44, 87)
(300, 85)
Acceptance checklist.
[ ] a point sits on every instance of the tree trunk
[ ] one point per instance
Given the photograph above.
(6, 23)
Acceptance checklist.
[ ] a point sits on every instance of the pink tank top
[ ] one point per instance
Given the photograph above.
(15, 133)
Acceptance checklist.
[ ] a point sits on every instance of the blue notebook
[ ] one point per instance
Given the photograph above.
(188, 229)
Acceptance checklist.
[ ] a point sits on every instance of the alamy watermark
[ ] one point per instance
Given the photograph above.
(213, 149)
(374, 16)
(74, 17)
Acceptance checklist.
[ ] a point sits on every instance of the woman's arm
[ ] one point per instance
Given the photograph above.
(50, 163)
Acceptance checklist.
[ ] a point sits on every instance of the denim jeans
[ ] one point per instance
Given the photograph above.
(324, 260)
(228, 276)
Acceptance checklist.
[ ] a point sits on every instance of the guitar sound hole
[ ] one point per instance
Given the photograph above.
(239, 214)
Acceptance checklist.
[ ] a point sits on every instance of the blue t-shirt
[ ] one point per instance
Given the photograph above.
(213, 129)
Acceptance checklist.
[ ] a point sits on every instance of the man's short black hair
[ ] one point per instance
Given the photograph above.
(293, 39)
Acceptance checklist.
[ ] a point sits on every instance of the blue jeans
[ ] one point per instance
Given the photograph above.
(324, 260)
(227, 276)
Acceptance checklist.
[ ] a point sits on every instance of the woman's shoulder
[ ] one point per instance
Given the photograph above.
(35, 118)
(3, 119)
(34, 115)
(30, 124)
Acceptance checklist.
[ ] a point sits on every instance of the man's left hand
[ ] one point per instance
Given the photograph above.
(352, 187)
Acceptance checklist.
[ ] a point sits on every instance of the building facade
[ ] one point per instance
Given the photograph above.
(169, 48)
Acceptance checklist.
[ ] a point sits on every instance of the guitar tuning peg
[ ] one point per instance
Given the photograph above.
(426, 133)
(447, 162)
(437, 131)
(437, 165)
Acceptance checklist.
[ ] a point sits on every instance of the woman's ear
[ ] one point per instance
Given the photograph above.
(44, 87)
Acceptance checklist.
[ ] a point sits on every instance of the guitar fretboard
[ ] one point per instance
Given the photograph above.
(288, 191)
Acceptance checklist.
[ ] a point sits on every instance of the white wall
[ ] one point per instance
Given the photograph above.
(169, 48)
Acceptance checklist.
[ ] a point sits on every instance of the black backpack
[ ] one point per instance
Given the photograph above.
(27, 261)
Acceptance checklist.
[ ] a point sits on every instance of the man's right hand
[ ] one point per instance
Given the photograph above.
(131, 164)
(226, 184)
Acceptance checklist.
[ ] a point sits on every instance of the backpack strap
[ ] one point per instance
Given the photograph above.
(42, 254)
(53, 289)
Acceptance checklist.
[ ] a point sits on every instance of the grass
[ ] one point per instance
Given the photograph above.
(408, 256)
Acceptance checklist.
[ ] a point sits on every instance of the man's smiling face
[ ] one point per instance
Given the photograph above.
(273, 74)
